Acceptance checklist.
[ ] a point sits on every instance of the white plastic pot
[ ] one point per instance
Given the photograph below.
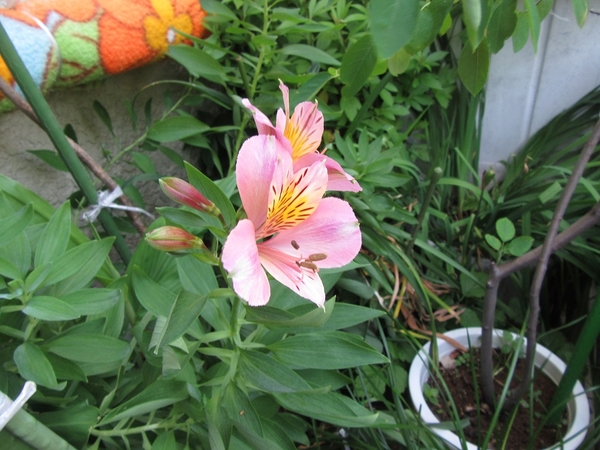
(553, 367)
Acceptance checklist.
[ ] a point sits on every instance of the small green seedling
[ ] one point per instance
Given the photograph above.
(506, 242)
(431, 394)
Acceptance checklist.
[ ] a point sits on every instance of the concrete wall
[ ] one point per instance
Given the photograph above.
(18, 134)
(526, 89)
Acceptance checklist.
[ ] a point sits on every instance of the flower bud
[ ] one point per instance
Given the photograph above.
(173, 239)
(184, 193)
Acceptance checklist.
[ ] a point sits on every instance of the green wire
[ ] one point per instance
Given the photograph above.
(56, 135)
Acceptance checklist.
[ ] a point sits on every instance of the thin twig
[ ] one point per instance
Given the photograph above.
(540, 255)
(83, 156)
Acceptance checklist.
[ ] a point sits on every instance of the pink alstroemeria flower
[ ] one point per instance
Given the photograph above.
(302, 134)
(291, 230)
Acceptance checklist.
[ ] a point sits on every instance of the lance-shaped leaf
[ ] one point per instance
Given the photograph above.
(326, 350)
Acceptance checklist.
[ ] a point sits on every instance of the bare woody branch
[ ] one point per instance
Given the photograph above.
(540, 256)
(85, 157)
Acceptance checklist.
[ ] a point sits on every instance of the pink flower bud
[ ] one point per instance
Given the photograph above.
(173, 239)
(184, 193)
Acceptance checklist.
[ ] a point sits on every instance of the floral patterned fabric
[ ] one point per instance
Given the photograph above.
(71, 42)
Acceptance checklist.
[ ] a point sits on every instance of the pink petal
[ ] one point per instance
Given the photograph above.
(305, 129)
(282, 266)
(293, 196)
(332, 230)
(255, 166)
(263, 124)
(240, 259)
(282, 117)
(338, 179)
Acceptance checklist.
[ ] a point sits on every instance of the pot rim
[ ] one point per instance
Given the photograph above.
(553, 366)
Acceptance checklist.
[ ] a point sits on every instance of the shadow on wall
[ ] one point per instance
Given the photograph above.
(527, 89)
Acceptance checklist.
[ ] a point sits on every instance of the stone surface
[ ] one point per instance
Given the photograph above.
(19, 134)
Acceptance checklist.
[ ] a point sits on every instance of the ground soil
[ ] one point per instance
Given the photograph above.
(523, 425)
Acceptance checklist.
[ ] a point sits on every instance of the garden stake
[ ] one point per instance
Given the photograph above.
(56, 135)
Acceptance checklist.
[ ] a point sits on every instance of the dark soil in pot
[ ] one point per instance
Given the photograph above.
(523, 423)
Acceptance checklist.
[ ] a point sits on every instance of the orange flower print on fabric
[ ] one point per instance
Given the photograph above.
(76, 10)
(133, 33)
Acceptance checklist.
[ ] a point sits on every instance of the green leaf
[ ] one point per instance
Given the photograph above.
(197, 62)
(183, 314)
(89, 347)
(471, 288)
(359, 288)
(493, 242)
(430, 24)
(78, 266)
(241, 411)
(310, 89)
(19, 253)
(165, 441)
(533, 18)
(399, 62)
(92, 301)
(371, 383)
(55, 237)
(9, 270)
(195, 276)
(505, 229)
(176, 128)
(357, 65)
(521, 33)
(336, 350)
(580, 8)
(14, 224)
(102, 113)
(550, 192)
(144, 163)
(346, 315)
(329, 407)
(51, 158)
(473, 67)
(65, 369)
(502, 24)
(36, 277)
(155, 298)
(212, 192)
(269, 375)
(158, 395)
(34, 366)
(392, 24)
(472, 14)
(520, 245)
(311, 53)
(302, 316)
(50, 308)
(73, 423)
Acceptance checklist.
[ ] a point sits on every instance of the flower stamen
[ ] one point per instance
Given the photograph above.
(317, 257)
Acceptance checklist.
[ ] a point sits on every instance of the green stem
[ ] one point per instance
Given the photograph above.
(136, 430)
(58, 138)
(368, 103)
(37, 435)
(435, 178)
